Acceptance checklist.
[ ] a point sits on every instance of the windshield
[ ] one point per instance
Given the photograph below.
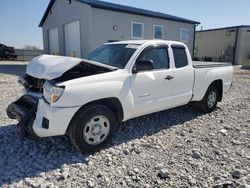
(116, 55)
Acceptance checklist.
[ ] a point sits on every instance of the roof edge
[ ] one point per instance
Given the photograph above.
(51, 3)
(98, 4)
(222, 28)
(133, 10)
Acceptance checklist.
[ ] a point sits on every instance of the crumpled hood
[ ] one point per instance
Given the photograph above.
(49, 67)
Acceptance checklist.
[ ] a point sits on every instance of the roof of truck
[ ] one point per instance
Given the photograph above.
(140, 42)
(122, 8)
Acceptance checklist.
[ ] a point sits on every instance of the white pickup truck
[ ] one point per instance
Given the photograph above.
(88, 98)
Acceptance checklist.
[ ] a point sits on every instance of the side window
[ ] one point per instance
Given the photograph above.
(137, 30)
(158, 31)
(159, 56)
(184, 35)
(180, 57)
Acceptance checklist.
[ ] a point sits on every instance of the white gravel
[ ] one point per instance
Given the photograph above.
(174, 148)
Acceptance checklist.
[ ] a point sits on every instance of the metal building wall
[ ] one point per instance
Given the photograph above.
(96, 26)
(243, 47)
(216, 45)
(105, 20)
(63, 13)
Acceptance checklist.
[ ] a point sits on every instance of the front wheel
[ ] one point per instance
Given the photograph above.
(93, 128)
(210, 100)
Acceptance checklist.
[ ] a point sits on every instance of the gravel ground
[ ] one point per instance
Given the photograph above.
(174, 148)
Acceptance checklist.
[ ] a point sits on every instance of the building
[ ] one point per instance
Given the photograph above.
(75, 27)
(230, 44)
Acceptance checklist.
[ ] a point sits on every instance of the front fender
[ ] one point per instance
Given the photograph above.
(78, 95)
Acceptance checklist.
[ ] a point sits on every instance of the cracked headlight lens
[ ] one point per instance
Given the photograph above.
(52, 93)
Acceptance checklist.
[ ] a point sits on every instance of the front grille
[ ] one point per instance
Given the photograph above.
(32, 84)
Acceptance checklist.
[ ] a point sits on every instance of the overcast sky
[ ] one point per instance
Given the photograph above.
(19, 19)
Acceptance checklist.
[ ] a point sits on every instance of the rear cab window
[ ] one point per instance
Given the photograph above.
(180, 56)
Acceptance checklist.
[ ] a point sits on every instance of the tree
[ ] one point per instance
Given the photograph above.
(31, 47)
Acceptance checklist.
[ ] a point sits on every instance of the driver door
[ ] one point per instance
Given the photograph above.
(152, 90)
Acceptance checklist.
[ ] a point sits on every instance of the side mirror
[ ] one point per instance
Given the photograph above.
(144, 65)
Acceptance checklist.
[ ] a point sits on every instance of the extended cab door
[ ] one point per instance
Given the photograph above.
(152, 90)
(183, 75)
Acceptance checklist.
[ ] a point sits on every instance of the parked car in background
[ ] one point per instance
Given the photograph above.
(7, 52)
(88, 98)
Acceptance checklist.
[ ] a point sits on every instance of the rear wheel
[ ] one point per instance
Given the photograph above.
(6, 54)
(210, 100)
(93, 128)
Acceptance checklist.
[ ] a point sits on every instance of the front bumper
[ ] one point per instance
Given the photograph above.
(52, 121)
(24, 110)
(38, 119)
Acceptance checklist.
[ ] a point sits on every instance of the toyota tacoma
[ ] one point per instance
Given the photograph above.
(86, 99)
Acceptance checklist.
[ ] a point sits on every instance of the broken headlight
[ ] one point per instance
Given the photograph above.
(52, 93)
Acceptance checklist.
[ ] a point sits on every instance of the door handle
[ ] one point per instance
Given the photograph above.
(145, 95)
(169, 78)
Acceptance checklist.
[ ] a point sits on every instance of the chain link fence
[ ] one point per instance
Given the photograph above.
(27, 55)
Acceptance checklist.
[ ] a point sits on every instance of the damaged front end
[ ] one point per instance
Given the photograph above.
(40, 81)
(24, 109)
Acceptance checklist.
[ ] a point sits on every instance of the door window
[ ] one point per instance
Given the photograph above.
(159, 56)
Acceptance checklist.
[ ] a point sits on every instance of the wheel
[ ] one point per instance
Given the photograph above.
(6, 55)
(92, 128)
(210, 100)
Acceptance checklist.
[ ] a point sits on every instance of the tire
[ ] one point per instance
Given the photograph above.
(6, 53)
(92, 128)
(210, 100)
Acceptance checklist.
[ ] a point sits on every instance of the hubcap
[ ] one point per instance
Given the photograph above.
(96, 130)
(212, 98)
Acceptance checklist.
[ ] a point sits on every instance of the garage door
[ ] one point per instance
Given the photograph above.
(53, 41)
(72, 39)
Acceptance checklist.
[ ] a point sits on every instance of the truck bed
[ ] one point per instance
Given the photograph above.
(208, 72)
(203, 64)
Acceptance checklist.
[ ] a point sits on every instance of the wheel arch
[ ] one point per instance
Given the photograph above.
(113, 103)
(219, 85)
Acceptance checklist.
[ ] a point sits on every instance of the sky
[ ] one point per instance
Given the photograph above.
(19, 19)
